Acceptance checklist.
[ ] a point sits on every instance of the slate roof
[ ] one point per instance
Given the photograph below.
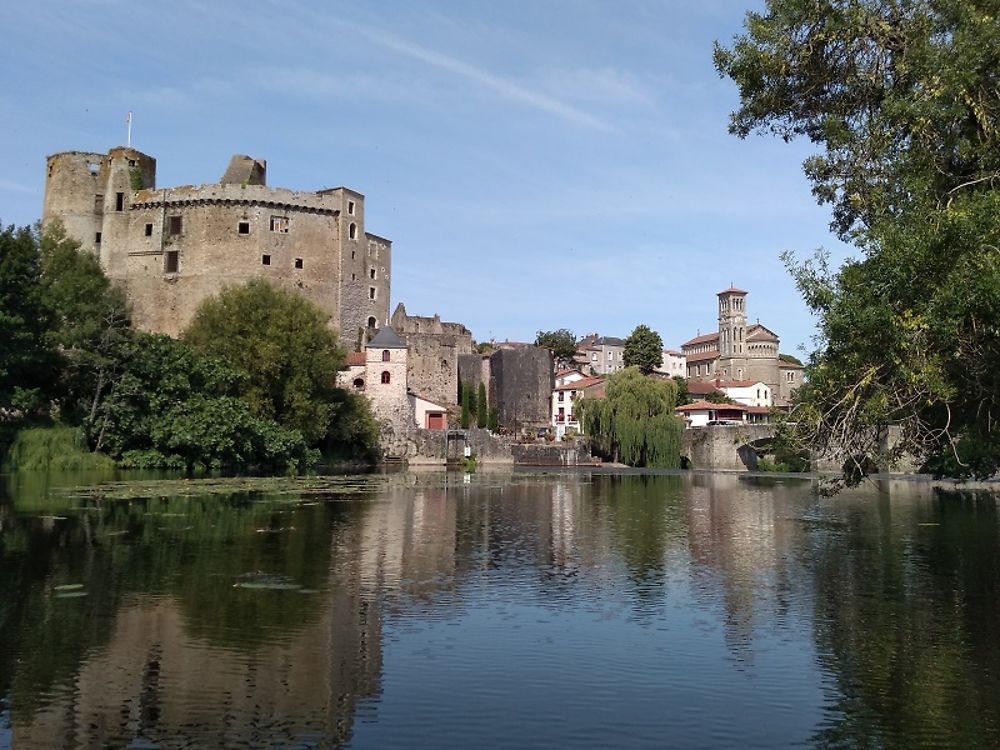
(386, 338)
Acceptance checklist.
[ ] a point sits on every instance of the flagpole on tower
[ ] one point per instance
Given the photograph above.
(128, 120)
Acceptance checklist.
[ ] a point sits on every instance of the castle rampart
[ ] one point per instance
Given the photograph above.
(174, 247)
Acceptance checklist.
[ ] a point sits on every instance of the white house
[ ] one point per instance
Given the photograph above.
(563, 397)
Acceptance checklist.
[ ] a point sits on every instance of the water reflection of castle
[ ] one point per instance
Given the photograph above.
(424, 540)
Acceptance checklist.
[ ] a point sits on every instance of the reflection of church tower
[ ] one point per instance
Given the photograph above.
(732, 322)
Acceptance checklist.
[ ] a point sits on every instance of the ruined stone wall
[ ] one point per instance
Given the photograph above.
(173, 248)
(435, 351)
(185, 244)
(521, 383)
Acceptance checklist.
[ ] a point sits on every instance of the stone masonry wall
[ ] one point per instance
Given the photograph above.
(521, 383)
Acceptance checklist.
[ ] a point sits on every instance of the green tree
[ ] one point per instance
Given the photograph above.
(282, 341)
(901, 97)
(683, 396)
(644, 349)
(634, 422)
(27, 363)
(561, 342)
(493, 420)
(169, 406)
(482, 408)
(89, 321)
(466, 405)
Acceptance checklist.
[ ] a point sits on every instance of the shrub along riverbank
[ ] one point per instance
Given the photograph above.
(250, 385)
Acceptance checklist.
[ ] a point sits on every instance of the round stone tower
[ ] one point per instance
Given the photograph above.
(74, 194)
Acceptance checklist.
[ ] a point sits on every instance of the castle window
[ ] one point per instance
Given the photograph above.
(175, 224)
(372, 273)
(149, 230)
(98, 203)
(97, 238)
(279, 224)
(350, 207)
(131, 162)
(352, 255)
(94, 167)
(790, 376)
(170, 262)
(352, 231)
(385, 355)
(243, 227)
(119, 201)
(354, 277)
(265, 260)
(371, 292)
(385, 377)
(372, 322)
(359, 384)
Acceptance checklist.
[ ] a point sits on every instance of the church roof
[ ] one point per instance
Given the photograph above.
(386, 338)
(758, 332)
(731, 290)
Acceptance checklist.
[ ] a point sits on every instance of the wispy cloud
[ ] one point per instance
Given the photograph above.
(15, 187)
(498, 84)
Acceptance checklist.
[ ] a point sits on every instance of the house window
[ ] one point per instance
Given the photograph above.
(359, 384)
(97, 238)
(593, 357)
(790, 377)
(265, 260)
(385, 355)
(149, 230)
(279, 224)
(119, 201)
(352, 231)
(371, 292)
(385, 377)
(372, 322)
(350, 207)
(243, 227)
(171, 261)
(175, 224)
(560, 396)
(298, 262)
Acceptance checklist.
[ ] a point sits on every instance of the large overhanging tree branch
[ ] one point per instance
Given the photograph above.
(903, 99)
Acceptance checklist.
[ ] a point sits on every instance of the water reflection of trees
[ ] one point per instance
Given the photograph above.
(907, 615)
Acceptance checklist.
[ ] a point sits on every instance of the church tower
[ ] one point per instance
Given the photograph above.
(732, 323)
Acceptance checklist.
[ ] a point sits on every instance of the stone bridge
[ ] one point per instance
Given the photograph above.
(726, 447)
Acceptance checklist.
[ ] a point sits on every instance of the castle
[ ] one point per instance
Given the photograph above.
(173, 247)
(740, 352)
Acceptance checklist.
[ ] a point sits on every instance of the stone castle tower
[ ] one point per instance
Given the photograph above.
(386, 359)
(173, 247)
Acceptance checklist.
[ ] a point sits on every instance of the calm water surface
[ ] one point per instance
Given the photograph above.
(498, 610)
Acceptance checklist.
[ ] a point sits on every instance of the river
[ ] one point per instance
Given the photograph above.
(509, 610)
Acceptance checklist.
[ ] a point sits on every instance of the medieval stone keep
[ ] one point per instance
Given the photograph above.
(173, 247)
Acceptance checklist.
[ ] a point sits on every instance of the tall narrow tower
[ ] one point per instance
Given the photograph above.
(732, 322)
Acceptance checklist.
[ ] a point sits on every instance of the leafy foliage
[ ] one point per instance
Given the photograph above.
(644, 349)
(482, 417)
(634, 422)
(53, 449)
(902, 97)
(28, 364)
(89, 321)
(561, 342)
(283, 343)
(169, 406)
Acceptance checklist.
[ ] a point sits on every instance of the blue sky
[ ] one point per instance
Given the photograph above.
(537, 165)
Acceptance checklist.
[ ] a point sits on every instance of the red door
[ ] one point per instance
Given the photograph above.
(435, 421)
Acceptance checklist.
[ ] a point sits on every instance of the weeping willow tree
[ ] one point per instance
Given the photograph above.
(634, 423)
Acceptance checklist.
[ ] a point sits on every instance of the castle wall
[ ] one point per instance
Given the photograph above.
(521, 384)
(173, 248)
(435, 351)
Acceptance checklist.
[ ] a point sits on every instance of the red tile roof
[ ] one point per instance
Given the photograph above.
(703, 339)
(355, 358)
(702, 387)
(702, 356)
(784, 364)
(579, 385)
(442, 407)
(706, 405)
(732, 290)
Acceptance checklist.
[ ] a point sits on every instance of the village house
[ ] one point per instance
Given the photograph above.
(569, 386)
